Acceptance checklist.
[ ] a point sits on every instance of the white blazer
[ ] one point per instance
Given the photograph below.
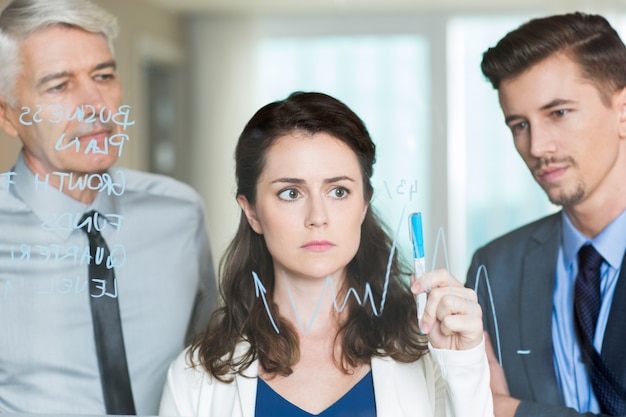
(444, 383)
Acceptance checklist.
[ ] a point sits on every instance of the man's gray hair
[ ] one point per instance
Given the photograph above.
(22, 18)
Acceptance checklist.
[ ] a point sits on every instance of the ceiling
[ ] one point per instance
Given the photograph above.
(256, 7)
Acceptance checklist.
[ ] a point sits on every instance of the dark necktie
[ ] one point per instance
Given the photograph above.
(587, 300)
(107, 326)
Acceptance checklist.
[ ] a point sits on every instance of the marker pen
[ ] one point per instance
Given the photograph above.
(417, 239)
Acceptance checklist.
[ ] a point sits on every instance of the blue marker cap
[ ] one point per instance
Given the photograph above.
(417, 235)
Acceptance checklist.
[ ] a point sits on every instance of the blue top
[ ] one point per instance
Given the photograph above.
(358, 402)
(156, 234)
(570, 370)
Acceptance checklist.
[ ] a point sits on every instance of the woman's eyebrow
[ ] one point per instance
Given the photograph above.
(291, 180)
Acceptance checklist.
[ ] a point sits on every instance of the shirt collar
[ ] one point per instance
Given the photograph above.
(48, 202)
(610, 243)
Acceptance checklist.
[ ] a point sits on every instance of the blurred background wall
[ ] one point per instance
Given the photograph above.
(194, 71)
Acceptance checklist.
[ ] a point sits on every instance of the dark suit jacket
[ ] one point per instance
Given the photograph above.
(521, 268)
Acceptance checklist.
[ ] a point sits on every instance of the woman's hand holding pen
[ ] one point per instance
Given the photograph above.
(452, 317)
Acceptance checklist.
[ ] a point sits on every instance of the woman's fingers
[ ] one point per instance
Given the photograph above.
(434, 279)
(453, 317)
(450, 301)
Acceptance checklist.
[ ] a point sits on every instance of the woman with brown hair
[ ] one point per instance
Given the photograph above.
(317, 314)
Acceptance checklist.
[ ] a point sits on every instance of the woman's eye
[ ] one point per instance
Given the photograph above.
(339, 192)
(288, 194)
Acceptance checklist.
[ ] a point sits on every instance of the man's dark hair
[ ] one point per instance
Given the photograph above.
(589, 40)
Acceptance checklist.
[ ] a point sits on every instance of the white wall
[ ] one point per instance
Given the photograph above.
(221, 51)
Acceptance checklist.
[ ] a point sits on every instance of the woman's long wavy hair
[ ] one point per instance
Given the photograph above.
(242, 316)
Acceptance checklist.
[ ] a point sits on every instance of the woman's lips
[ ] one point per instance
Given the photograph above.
(317, 245)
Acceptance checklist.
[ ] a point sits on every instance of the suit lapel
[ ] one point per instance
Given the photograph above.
(246, 387)
(614, 341)
(536, 300)
(382, 374)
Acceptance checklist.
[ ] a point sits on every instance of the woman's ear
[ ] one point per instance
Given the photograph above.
(365, 208)
(250, 213)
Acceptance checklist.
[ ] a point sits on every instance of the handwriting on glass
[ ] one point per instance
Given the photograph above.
(110, 183)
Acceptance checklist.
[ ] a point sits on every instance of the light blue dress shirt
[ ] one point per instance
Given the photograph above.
(570, 370)
(157, 236)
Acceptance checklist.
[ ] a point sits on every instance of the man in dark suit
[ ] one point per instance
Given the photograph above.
(561, 82)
